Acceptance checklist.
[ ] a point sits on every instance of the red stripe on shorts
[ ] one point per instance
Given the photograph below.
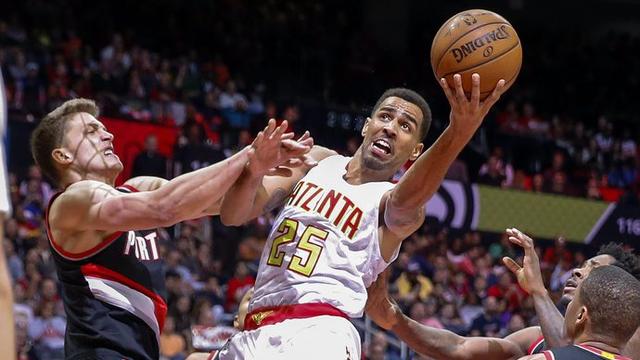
(275, 314)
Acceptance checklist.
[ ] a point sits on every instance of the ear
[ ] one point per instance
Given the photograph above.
(365, 127)
(62, 156)
(417, 150)
(583, 316)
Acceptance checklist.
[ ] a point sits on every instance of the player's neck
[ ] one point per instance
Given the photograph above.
(72, 176)
(358, 174)
(604, 343)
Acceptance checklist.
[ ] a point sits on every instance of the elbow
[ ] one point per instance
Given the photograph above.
(404, 205)
(231, 219)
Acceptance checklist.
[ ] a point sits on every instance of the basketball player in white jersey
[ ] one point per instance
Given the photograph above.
(342, 223)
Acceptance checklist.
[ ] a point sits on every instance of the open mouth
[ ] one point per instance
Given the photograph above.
(569, 286)
(381, 147)
(108, 152)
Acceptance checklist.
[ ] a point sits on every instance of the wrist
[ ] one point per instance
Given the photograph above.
(398, 318)
(252, 174)
(460, 134)
(539, 292)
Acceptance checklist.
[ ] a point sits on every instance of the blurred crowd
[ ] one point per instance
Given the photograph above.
(562, 156)
(539, 138)
(568, 147)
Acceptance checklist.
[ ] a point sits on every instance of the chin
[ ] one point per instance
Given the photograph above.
(565, 299)
(371, 162)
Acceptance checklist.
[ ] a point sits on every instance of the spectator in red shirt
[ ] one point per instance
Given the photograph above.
(508, 290)
(555, 254)
(241, 281)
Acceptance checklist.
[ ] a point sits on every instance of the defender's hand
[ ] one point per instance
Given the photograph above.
(273, 149)
(529, 275)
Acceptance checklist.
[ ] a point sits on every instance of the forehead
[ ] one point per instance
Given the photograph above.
(402, 105)
(81, 120)
(602, 259)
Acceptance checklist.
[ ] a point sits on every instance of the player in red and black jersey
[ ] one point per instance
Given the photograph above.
(601, 318)
(103, 238)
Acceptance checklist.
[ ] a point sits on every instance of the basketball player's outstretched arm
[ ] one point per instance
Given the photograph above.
(530, 279)
(91, 205)
(404, 205)
(258, 190)
(435, 343)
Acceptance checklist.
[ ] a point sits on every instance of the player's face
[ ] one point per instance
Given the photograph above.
(581, 273)
(575, 317)
(392, 135)
(88, 147)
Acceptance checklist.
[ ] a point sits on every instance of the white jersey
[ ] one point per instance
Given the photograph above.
(324, 244)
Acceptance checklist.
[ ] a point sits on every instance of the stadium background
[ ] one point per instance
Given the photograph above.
(556, 157)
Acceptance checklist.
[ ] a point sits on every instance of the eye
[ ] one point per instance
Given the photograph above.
(405, 127)
(385, 116)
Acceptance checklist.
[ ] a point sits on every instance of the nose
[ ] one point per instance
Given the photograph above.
(106, 136)
(577, 273)
(390, 129)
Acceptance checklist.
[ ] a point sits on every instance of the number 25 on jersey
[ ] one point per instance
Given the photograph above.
(288, 229)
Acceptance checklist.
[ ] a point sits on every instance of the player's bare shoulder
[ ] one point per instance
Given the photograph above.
(68, 208)
(319, 153)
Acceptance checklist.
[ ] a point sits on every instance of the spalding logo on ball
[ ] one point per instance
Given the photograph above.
(477, 41)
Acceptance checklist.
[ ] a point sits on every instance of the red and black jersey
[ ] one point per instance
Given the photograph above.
(581, 352)
(537, 346)
(113, 296)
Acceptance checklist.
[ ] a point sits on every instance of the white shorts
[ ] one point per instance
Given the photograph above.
(320, 337)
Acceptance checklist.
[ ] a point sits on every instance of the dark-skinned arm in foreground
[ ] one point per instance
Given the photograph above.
(436, 343)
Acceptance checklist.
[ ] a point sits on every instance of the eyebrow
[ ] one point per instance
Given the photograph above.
(96, 125)
(402, 113)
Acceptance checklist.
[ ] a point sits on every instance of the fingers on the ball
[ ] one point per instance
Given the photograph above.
(457, 79)
(495, 95)
(475, 88)
(447, 90)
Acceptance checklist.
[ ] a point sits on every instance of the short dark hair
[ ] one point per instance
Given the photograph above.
(49, 134)
(414, 98)
(625, 259)
(612, 298)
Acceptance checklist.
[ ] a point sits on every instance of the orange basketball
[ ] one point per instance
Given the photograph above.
(477, 41)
